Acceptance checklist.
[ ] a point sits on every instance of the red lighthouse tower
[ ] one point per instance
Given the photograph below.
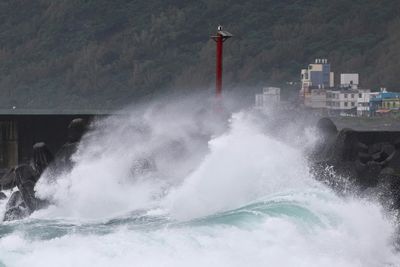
(220, 38)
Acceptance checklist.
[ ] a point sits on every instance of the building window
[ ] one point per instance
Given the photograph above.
(353, 104)
(345, 104)
(345, 95)
(352, 95)
(359, 95)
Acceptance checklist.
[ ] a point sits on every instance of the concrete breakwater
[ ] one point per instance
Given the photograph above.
(368, 161)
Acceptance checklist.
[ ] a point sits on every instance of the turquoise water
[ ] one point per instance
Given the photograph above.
(283, 230)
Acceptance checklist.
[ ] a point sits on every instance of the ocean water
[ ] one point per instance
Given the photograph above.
(163, 187)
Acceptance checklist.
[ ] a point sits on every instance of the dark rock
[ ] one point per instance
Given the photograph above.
(2, 196)
(15, 200)
(326, 127)
(378, 157)
(375, 148)
(369, 177)
(339, 148)
(362, 148)
(396, 144)
(394, 161)
(388, 149)
(26, 180)
(42, 157)
(360, 166)
(364, 157)
(381, 151)
(387, 171)
(76, 129)
(15, 213)
(24, 202)
(328, 133)
(63, 161)
(368, 161)
(15, 208)
(8, 180)
(389, 189)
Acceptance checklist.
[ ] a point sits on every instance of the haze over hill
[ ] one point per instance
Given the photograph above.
(102, 54)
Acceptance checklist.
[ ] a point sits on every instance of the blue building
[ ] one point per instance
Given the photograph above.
(317, 76)
(384, 102)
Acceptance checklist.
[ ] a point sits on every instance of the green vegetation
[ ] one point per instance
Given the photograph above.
(105, 53)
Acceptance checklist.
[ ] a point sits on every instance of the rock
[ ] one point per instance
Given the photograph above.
(328, 133)
(364, 157)
(42, 157)
(381, 151)
(15, 200)
(378, 157)
(362, 148)
(326, 127)
(388, 149)
(8, 180)
(76, 129)
(360, 166)
(369, 177)
(394, 161)
(2, 196)
(337, 150)
(15, 213)
(387, 171)
(63, 161)
(26, 180)
(396, 144)
(375, 148)
(25, 176)
(24, 202)
(15, 208)
(142, 167)
(370, 160)
(389, 188)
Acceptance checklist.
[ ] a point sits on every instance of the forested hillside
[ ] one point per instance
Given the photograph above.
(102, 54)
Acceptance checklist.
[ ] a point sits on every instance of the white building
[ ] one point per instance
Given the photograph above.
(349, 101)
(342, 101)
(349, 80)
(316, 99)
(364, 96)
(270, 96)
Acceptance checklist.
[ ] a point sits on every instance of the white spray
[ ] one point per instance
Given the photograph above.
(232, 195)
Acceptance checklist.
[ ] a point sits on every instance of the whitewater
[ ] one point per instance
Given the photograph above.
(182, 184)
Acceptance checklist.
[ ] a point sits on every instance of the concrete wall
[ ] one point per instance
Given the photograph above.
(18, 133)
